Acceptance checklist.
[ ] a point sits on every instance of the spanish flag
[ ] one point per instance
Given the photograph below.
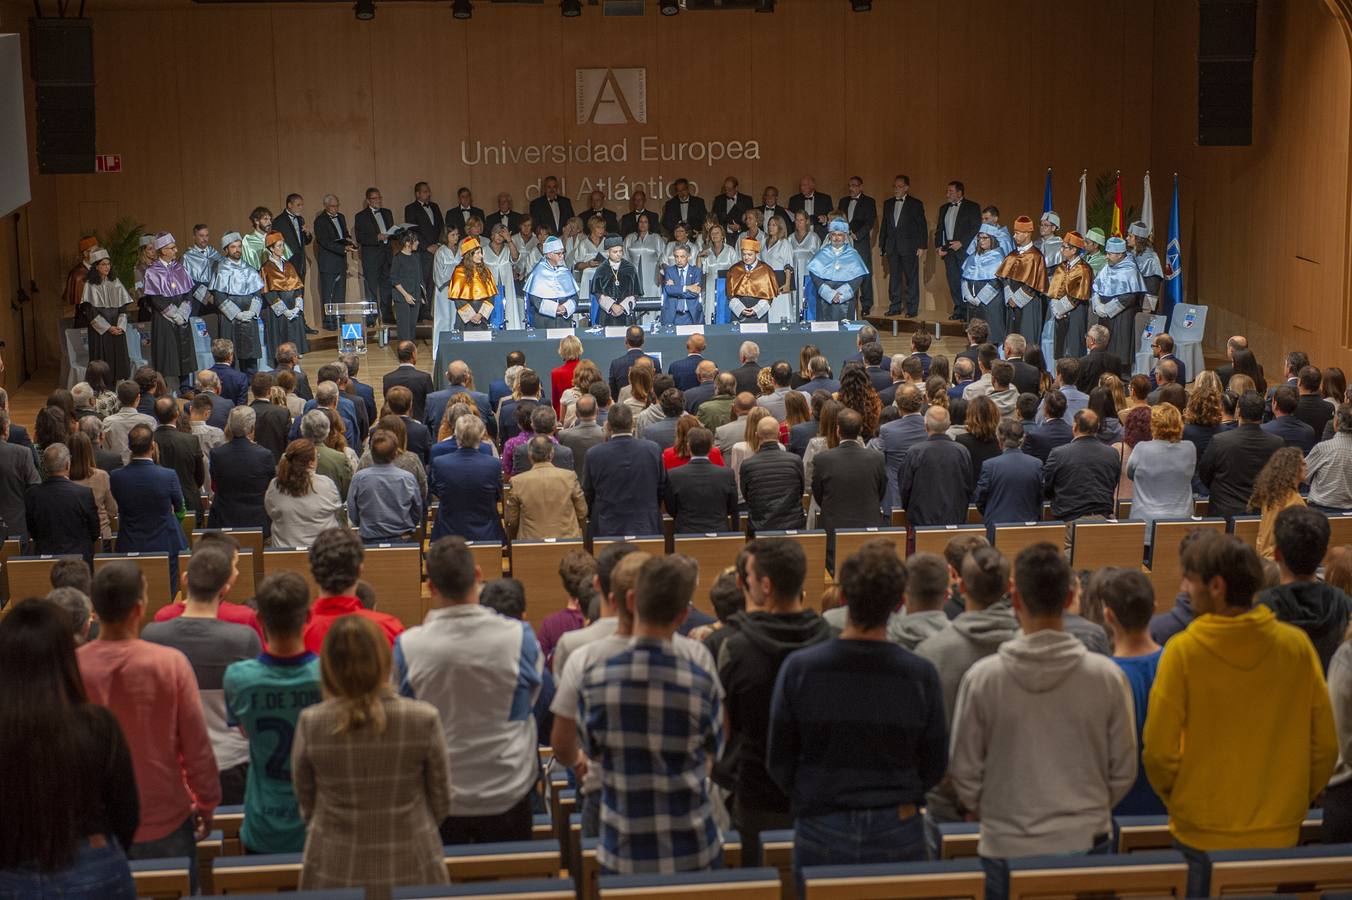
(1117, 209)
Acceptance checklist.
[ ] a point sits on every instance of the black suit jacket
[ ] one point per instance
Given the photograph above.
(541, 215)
(865, 217)
(511, 219)
(911, 233)
(624, 485)
(1026, 378)
(62, 517)
(368, 232)
(413, 378)
(458, 217)
(934, 482)
(271, 427)
(702, 497)
(1081, 478)
(1041, 440)
(296, 240)
(848, 484)
(629, 222)
(720, 208)
(821, 206)
(1231, 464)
(746, 377)
(330, 249)
(612, 221)
(1092, 367)
(772, 483)
(965, 226)
(107, 460)
(428, 232)
(182, 452)
(419, 438)
(619, 370)
(694, 216)
(241, 471)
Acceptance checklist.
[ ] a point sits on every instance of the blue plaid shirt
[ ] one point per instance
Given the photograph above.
(649, 721)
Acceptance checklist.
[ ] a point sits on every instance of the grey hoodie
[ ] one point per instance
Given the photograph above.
(973, 635)
(1043, 745)
(906, 629)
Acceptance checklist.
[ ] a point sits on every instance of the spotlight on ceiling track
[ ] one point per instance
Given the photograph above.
(570, 8)
(765, 6)
(364, 10)
(861, 5)
(462, 9)
(669, 7)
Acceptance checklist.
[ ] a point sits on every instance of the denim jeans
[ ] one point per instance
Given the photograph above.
(997, 871)
(591, 814)
(1199, 870)
(857, 836)
(179, 842)
(97, 874)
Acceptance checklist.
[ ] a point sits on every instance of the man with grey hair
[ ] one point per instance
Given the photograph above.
(934, 481)
(333, 247)
(62, 516)
(234, 384)
(107, 460)
(459, 376)
(209, 383)
(730, 433)
(749, 356)
(247, 469)
(17, 433)
(83, 395)
(468, 482)
(546, 500)
(717, 410)
(819, 370)
(705, 374)
(1098, 360)
(77, 606)
(314, 427)
(1027, 378)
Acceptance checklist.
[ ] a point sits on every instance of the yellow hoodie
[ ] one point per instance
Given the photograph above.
(1239, 738)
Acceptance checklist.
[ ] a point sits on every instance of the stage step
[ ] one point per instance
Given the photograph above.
(905, 325)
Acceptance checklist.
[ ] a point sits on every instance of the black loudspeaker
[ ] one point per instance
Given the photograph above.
(1226, 39)
(63, 70)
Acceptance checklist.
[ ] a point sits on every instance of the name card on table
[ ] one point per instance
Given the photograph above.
(754, 328)
(689, 329)
(557, 333)
(825, 326)
(616, 330)
(477, 336)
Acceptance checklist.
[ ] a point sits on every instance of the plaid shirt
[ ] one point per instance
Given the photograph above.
(649, 720)
(1330, 472)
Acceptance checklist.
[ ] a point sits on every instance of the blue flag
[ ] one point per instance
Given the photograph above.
(1173, 259)
(1047, 193)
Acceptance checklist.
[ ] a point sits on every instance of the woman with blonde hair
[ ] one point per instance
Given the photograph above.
(366, 831)
(678, 454)
(1277, 487)
(1114, 385)
(1161, 471)
(715, 255)
(561, 377)
(936, 390)
(803, 376)
(300, 503)
(460, 406)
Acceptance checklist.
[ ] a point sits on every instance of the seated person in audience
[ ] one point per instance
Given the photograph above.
(162, 718)
(1301, 539)
(646, 689)
(1009, 488)
(772, 481)
(1081, 477)
(751, 286)
(749, 662)
(1043, 743)
(336, 559)
(1285, 424)
(211, 645)
(1235, 656)
(263, 699)
(468, 486)
(1329, 466)
(577, 570)
(384, 502)
(856, 733)
(479, 670)
(934, 479)
(545, 501)
(61, 515)
(701, 493)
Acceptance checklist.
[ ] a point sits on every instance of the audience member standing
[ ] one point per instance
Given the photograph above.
(240, 472)
(336, 559)
(1233, 459)
(849, 481)
(468, 485)
(60, 514)
(624, 480)
(271, 422)
(1081, 477)
(181, 453)
(1161, 471)
(148, 498)
(18, 473)
(1321, 610)
(701, 495)
(934, 481)
(300, 503)
(772, 481)
(1009, 488)
(545, 501)
(384, 501)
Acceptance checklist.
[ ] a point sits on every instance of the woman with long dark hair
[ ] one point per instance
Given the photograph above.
(857, 393)
(299, 503)
(1245, 363)
(68, 801)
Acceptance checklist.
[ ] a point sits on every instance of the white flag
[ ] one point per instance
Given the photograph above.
(1147, 207)
(1082, 216)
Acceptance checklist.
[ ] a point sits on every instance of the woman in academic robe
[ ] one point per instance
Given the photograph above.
(406, 277)
(168, 292)
(837, 273)
(1152, 275)
(981, 283)
(284, 296)
(105, 301)
(751, 226)
(473, 289)
(714, 257)
(572, 232)
(586, 254)
(1023, 276)
(500, 257)
(777, 253)
(804, 244)
(615, 287)
(1116, 298)
(1068, 292)
(644, 250)
(524, 241)
(443, 269)
(680, 237)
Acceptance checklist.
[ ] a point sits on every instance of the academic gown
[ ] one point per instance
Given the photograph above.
(104, 306)
(582, 251)
(551, 296)
(239, 292)
(255, 249)
(168, 290)
(837, 272)
(444, 264)
(645, 253)
(1152, 275)
(611, 284)
(284, 294)
(803, 251)
(500, 263)
(1024, 281)
(473, 292)
(751, 289)
(1068, 293)
(74, 293)
(712, 262)
(1115, 300)
(981, 290)
(201, 263)
(779, 256)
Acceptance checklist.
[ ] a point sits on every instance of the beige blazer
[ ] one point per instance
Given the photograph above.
(103, 498)
(545, 502)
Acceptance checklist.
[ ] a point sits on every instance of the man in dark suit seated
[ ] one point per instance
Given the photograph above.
(1041, 440)
(701, 496)
(271, 422)
(706, 376)
(1081, 477)
(208, 382)
(620, 366)
(458, 376)
(240, 472)
(682, 207)
(1284, 422)
(1098, 360)
(934, 482)
(407, 374)
(1233, 458)
(682, 370)
(400, 401)
(849, 481)
(148, 497)
(365, 391)
(180, 452)
(1009, 488)
(624, 481)
(234, 384)
(61, 515)
(584, 434)
(1026, 378)
(773, 481)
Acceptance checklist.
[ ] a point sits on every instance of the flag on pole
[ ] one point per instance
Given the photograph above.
(1082, 216)
(1116, 230)
(1173, 258)
(1047, 193)
(1148, 207)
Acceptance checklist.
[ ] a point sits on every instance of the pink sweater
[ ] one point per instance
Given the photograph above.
(153, 692)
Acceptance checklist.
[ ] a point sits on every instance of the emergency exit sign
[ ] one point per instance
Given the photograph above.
(108, 163)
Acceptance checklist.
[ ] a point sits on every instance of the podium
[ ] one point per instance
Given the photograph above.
(351, 323)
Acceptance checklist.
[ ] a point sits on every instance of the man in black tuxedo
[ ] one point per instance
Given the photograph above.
(683, 207)
(407, 374)
(701, 496)
(902, 235)
(770, 207)
(551, 209)
(294, 230)
(729, 206)
(813, 202)
(597, 207)
(374, 223)
(861, 212)
(333, 242)
(638, 206)
(503, 215)
(425, 217)
(459, 215)
(955, 226)
(1098, 360)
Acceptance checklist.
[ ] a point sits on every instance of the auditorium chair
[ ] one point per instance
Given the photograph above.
(1012, 539)
(517, 889)
(29, 576)
(1158, 873)
(326, 894)
(11, 547)
(503, 861)
(535, 564)
(655, 544)
(718, 884)
(961, 878)
(958, 840)
(849, 540)
(541, 827)
(777, 853)
(248, 539)
(488, 556)
(1246, 529)
(259, 873)
(1166, 569)
(394, 572)
(161, 879)
(1137, 833)
(1340, 529)
(1309, 870)
(1095, 545)
(155, 568)
(714, 553)
(814, 547)
(298, 561)
(934, 538)
(589, 884)
(898, 518)
(229, 819)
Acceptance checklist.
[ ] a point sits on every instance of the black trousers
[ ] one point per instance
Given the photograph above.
(512, 825)
(953, 271)
(903, 266)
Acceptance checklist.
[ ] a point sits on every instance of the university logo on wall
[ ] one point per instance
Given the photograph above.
(612, 96)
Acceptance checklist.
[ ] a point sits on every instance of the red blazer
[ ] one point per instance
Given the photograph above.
(560, 380)
(671, 461)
